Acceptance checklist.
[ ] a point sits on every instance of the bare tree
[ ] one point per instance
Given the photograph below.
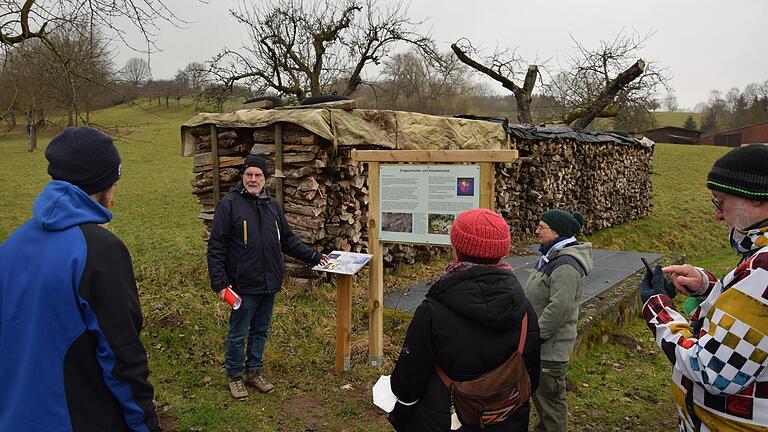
(35, 82)
(603, 81)
(136, 71)
(197, 76)
(594, 83)
(412, 81)
(299, 49)
(670, 102)
(36, 19)
(504, 66)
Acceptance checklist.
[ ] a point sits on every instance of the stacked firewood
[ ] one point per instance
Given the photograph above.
(233, 145)
(325, 193)
(609, 183)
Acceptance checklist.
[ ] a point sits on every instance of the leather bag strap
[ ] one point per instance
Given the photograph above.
(447, 381)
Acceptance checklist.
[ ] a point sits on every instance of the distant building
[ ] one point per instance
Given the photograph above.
(673, 135)
(754, 134)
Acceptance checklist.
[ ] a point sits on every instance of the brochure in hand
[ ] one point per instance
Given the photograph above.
(341, 262)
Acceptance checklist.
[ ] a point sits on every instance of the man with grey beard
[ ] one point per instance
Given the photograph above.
(720, 356)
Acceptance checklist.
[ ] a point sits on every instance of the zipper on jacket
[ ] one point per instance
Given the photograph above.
(277, 228)
(245, 232)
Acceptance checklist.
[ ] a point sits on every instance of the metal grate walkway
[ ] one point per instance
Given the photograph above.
(610, 268)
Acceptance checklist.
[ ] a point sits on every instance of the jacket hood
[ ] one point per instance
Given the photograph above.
(581, 252)
(487, 295)
(62, 205)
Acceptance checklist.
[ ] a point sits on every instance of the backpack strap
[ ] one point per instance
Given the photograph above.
(520, 346)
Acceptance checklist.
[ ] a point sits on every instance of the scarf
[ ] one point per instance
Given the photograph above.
(556, 244)
(457, 266)
(749, 240)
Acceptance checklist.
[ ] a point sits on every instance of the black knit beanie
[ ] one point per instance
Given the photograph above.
(742, 171)
(85, 157)
(256, 160)
(566, 224)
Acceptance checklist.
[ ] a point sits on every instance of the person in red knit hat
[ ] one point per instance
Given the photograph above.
(469, 323)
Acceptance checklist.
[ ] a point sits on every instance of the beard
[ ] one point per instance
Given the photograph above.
(254, 190)
(742, 218)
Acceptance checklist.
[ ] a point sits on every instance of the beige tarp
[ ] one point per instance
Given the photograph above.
(390, 129)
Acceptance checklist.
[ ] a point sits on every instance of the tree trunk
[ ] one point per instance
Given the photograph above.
(166, 101)
(31, 132)
(610, 92)
(522, 95)
(70, 118)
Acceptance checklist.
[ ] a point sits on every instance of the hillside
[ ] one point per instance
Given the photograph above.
(185, 325)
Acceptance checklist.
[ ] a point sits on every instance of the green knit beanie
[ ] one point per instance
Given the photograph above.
(564, 223)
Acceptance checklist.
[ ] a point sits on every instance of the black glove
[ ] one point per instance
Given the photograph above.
(654, 283)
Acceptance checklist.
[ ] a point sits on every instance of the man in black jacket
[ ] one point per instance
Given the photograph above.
(249, 234)
(469, 323)
(70, 353)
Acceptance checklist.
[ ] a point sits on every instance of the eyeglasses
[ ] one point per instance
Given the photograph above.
(718, 204)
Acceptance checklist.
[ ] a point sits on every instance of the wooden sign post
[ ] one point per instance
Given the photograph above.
(343, 321)
(343, 265)
(485, 158)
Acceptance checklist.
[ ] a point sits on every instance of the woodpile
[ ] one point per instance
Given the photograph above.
(325, 193)
(609, 183)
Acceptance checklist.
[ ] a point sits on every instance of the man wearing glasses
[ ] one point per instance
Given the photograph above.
(720, 356)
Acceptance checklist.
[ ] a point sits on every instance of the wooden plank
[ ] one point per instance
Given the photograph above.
(487, 185)
(343, 322)
(215, 165)
(206, 159)
(279, 163)
(376, 273)
(434, 155)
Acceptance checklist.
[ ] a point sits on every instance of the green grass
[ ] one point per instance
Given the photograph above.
(675, 118)
(682, 220)
(613, 387)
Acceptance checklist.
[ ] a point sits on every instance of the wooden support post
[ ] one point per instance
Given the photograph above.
(343, 321)
(215, 163)
(376, 273)
(279, 163)
(487, 185)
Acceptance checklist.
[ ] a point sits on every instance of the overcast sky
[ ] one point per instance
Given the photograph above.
(706, 45)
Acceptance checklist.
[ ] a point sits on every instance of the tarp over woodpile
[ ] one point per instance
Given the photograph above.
(383, 128)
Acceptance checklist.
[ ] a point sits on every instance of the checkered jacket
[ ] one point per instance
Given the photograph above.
(720, 357)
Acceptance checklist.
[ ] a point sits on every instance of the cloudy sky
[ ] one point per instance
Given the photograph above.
(710, 44)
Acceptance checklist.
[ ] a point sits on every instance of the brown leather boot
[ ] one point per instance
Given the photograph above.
(257, 380)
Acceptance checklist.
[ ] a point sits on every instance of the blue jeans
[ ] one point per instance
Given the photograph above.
(252, 319)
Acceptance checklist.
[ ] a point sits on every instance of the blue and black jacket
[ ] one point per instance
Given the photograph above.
(70, 353)
(248, 236)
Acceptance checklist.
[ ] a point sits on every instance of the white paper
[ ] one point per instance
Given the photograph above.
(382, 394)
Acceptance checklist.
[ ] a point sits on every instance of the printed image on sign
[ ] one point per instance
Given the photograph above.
(342, 262)
(419, 202)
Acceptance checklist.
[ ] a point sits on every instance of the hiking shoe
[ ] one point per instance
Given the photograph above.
(237, 389)
(258, 381)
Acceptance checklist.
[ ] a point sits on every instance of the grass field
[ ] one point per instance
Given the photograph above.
(620, 385)
(675, 118)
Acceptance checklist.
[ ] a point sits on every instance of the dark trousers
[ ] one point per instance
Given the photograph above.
(251, 319)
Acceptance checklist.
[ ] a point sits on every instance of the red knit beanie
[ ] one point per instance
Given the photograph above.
(480, 233)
